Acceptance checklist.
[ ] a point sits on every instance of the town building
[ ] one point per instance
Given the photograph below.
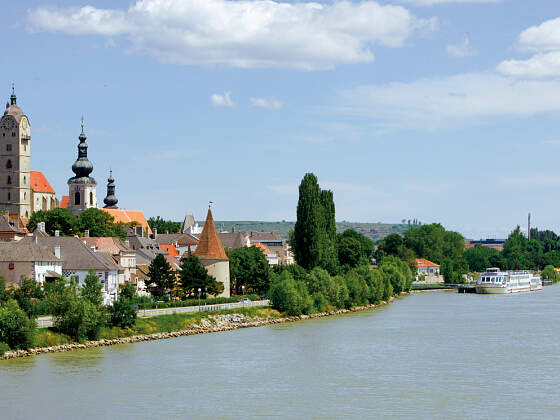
(31, 260)
(82, 187)
(234, 240)
(274, 242)
(211, 254)
(426, 267)
(78, 258)
(43, 196)
(190, 226)
(271, 257)
(121, 252)
(181, 242)
(9, 230)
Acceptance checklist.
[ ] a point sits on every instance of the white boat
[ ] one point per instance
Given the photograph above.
(497, 282)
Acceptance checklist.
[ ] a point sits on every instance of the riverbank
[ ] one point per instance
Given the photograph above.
(210, 322)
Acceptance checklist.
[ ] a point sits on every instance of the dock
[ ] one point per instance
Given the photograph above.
(466, 288)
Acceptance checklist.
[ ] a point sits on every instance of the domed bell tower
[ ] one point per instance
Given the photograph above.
(82, 187)
(15, 154)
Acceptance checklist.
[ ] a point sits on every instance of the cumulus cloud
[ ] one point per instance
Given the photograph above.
(435, 2)
(461, 50)
(266, 103)
(450, 101)
(258, 33)
(221, 100)
(544, 41)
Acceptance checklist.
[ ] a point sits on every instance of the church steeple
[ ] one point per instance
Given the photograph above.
(82, 167)
(111, 200)
(81, 187)
(13, 98)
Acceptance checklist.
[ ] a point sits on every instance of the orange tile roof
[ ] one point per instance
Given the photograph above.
(170, 249)
(421, 262)
(64, 201)
(209, 245)
(128, 216)
(39, 183)
(262, 247)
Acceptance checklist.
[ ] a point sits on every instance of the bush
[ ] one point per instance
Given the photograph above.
(123, 312)
(549, 273)
(4, 348)
(16, 329)
(290, 296)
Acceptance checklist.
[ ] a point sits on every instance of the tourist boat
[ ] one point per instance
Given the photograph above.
(494, 281)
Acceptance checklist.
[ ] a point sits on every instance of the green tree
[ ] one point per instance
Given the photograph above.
(92, 289)
(60, 219)
(27, 295)
(123, 312)
(549, 273)
(163, 226)
(313, 239)
(16, 328)
(248, 267)
(290, 296)
(100, 224)
(398, 273)
(479, 258)
(5, 294)
(162, 278)
(194, 276)
(365, 248)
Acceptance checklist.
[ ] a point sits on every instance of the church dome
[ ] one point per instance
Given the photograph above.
(82, 167)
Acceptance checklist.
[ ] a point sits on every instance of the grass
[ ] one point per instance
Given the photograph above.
(163, 323)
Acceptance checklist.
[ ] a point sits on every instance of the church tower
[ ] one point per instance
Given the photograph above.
(81, 188)
(15, 179)
(111, 200)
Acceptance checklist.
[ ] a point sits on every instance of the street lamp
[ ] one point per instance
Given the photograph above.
(199, 298)
(243, 296)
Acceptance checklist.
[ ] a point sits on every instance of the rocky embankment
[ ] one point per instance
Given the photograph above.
(212, 324)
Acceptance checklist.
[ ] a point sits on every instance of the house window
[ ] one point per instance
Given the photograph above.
(9, 164)
(13, 133)
(77, 198)
(24, 180)
(9, 180)
(8, 148)
(9, 196)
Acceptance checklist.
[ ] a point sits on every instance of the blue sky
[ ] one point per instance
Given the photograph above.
(445, 111)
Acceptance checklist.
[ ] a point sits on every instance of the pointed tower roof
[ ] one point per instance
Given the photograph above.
(209, 245)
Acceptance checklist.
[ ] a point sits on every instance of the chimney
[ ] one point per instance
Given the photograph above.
(57, 233)
(57, 251)
(127, 243)
(92, 248)
(155, 233)
(86, 233)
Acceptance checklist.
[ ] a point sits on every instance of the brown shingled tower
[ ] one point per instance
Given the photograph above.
(209, 245)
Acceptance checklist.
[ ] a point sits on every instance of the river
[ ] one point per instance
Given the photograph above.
(428, 355)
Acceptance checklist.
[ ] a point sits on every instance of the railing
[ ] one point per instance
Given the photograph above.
(48, 321)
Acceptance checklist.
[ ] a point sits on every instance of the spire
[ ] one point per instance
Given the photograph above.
(82, 167)
(111, 200)
(13, 98)
(209, 245)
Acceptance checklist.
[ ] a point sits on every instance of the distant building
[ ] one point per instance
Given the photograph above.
(122, 254)
(275, 243)
(497, 244)
(131, 217)
(43, 196)
(181, 242)
(190, 226)
(29, 259)
(426, 267)
(82, 187)
(212, 255)
(9, 230)
(272, 257)
(234, 240)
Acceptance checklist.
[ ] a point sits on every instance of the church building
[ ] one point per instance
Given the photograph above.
(82, 187)
(22, 191)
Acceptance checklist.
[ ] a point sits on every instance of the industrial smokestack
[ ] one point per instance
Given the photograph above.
(529, 226)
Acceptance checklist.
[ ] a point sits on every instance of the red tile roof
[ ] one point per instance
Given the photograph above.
(421, 262)
(262, 247)
(128, 216)
(170, 249)
(64, 201)
(39, 183)
(209, 245)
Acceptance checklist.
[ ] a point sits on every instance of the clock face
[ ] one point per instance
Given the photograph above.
(8, 124)
(24, 127)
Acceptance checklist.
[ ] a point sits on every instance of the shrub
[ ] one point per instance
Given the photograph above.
(16, 329)
(123, 311)
(549, 273)
(290, 296)
(4, 348)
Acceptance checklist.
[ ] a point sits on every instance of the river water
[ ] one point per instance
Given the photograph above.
(428, 355)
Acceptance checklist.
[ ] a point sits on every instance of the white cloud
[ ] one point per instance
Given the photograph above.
(461, 50)
(221, 100)
(435, 2)
(453, 100)
(544, 41)
(266, 103)
(258, 33)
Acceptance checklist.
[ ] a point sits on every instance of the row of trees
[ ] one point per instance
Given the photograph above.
(164, 225)
(78, 311)
(97, 222)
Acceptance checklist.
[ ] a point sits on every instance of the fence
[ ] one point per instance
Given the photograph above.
(48, 321)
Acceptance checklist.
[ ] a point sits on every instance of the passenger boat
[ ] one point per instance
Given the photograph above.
(494, 281)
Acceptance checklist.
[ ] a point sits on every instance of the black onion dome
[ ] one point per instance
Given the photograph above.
(82, 167)
(111, 200)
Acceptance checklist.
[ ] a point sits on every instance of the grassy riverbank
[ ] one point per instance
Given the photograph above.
(175, 325)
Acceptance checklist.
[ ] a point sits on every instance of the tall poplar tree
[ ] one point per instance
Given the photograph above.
(314, 236)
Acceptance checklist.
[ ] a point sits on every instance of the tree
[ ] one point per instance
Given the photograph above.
(398, 273)
(194, 276)
(27, 295)
(354, 248)
(164, 225)
(549, 273)
(434, 243)
(60, 219)
(290, 296)
(162, 278)
(479, 258)
(248, 267)
(16, 328)
(100, 223)
(92, 289)
(314, 236)
(5, 294)
(123, 312)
